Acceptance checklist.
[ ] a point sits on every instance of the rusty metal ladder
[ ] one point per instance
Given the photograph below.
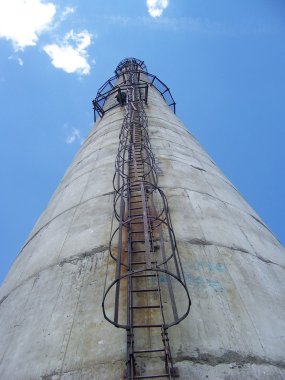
(148, 270)
(144, 291)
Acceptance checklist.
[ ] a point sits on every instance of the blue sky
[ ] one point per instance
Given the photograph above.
(224, 61)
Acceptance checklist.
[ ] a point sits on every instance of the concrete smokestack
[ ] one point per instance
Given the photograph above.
(52, 323)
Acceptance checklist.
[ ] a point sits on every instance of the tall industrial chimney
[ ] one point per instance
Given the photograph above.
(143, 220)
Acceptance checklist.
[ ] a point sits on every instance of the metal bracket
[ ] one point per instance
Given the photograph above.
(174, 372)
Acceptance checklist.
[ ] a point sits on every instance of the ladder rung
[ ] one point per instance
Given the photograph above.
(147, 307)
(142, 262)
(151, 376)
(138, 251)
(150, 350)
(146, 326)
(140, 231)
(144, 275)
(144, 290)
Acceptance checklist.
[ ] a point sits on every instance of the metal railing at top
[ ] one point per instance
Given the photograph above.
(119, 82)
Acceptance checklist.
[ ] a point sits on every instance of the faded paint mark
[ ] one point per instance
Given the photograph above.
(203, 282)
(210, 266)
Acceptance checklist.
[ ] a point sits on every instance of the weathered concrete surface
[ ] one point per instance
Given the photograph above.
(52, 325)
(234, 267)
(51, 320)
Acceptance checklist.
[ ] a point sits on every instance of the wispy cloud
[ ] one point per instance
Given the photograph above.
(75, 135)
(67, 11)
(61, 17)
(156, 7)
(22, 21)
(71, 54)
(16, 58)
(195, 25)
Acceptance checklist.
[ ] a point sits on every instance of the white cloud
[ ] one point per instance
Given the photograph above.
(71, 55)
(61, 17)
(22, 21)
(66, 12)
(75, 135)
(156, 7)
(16, 58)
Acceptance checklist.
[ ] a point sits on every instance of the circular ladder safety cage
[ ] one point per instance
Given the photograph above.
(145, 291)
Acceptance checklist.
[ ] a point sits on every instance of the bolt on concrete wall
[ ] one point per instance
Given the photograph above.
(52, 325)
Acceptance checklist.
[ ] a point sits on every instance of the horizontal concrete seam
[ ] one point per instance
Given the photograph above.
(233, 248)
(100, 123)
(174, 130)
(98, 166)
(115, 143)
(65, 178)
(87, 156)
(97, 150)
(76, 178)
(259, 221)
(198, 168)
(214, 171)
(202, 157)
(88, 367)
(68, 173)
(197, 241)
(75, 258)
(60, 214)
(92, 152)
(94, 138)
(96, 130)
(184, 146)
(229, 358)
(172, 126)
(181, 127)
(89, 142)
(218, 199)
(70, 260)
(217, 174)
